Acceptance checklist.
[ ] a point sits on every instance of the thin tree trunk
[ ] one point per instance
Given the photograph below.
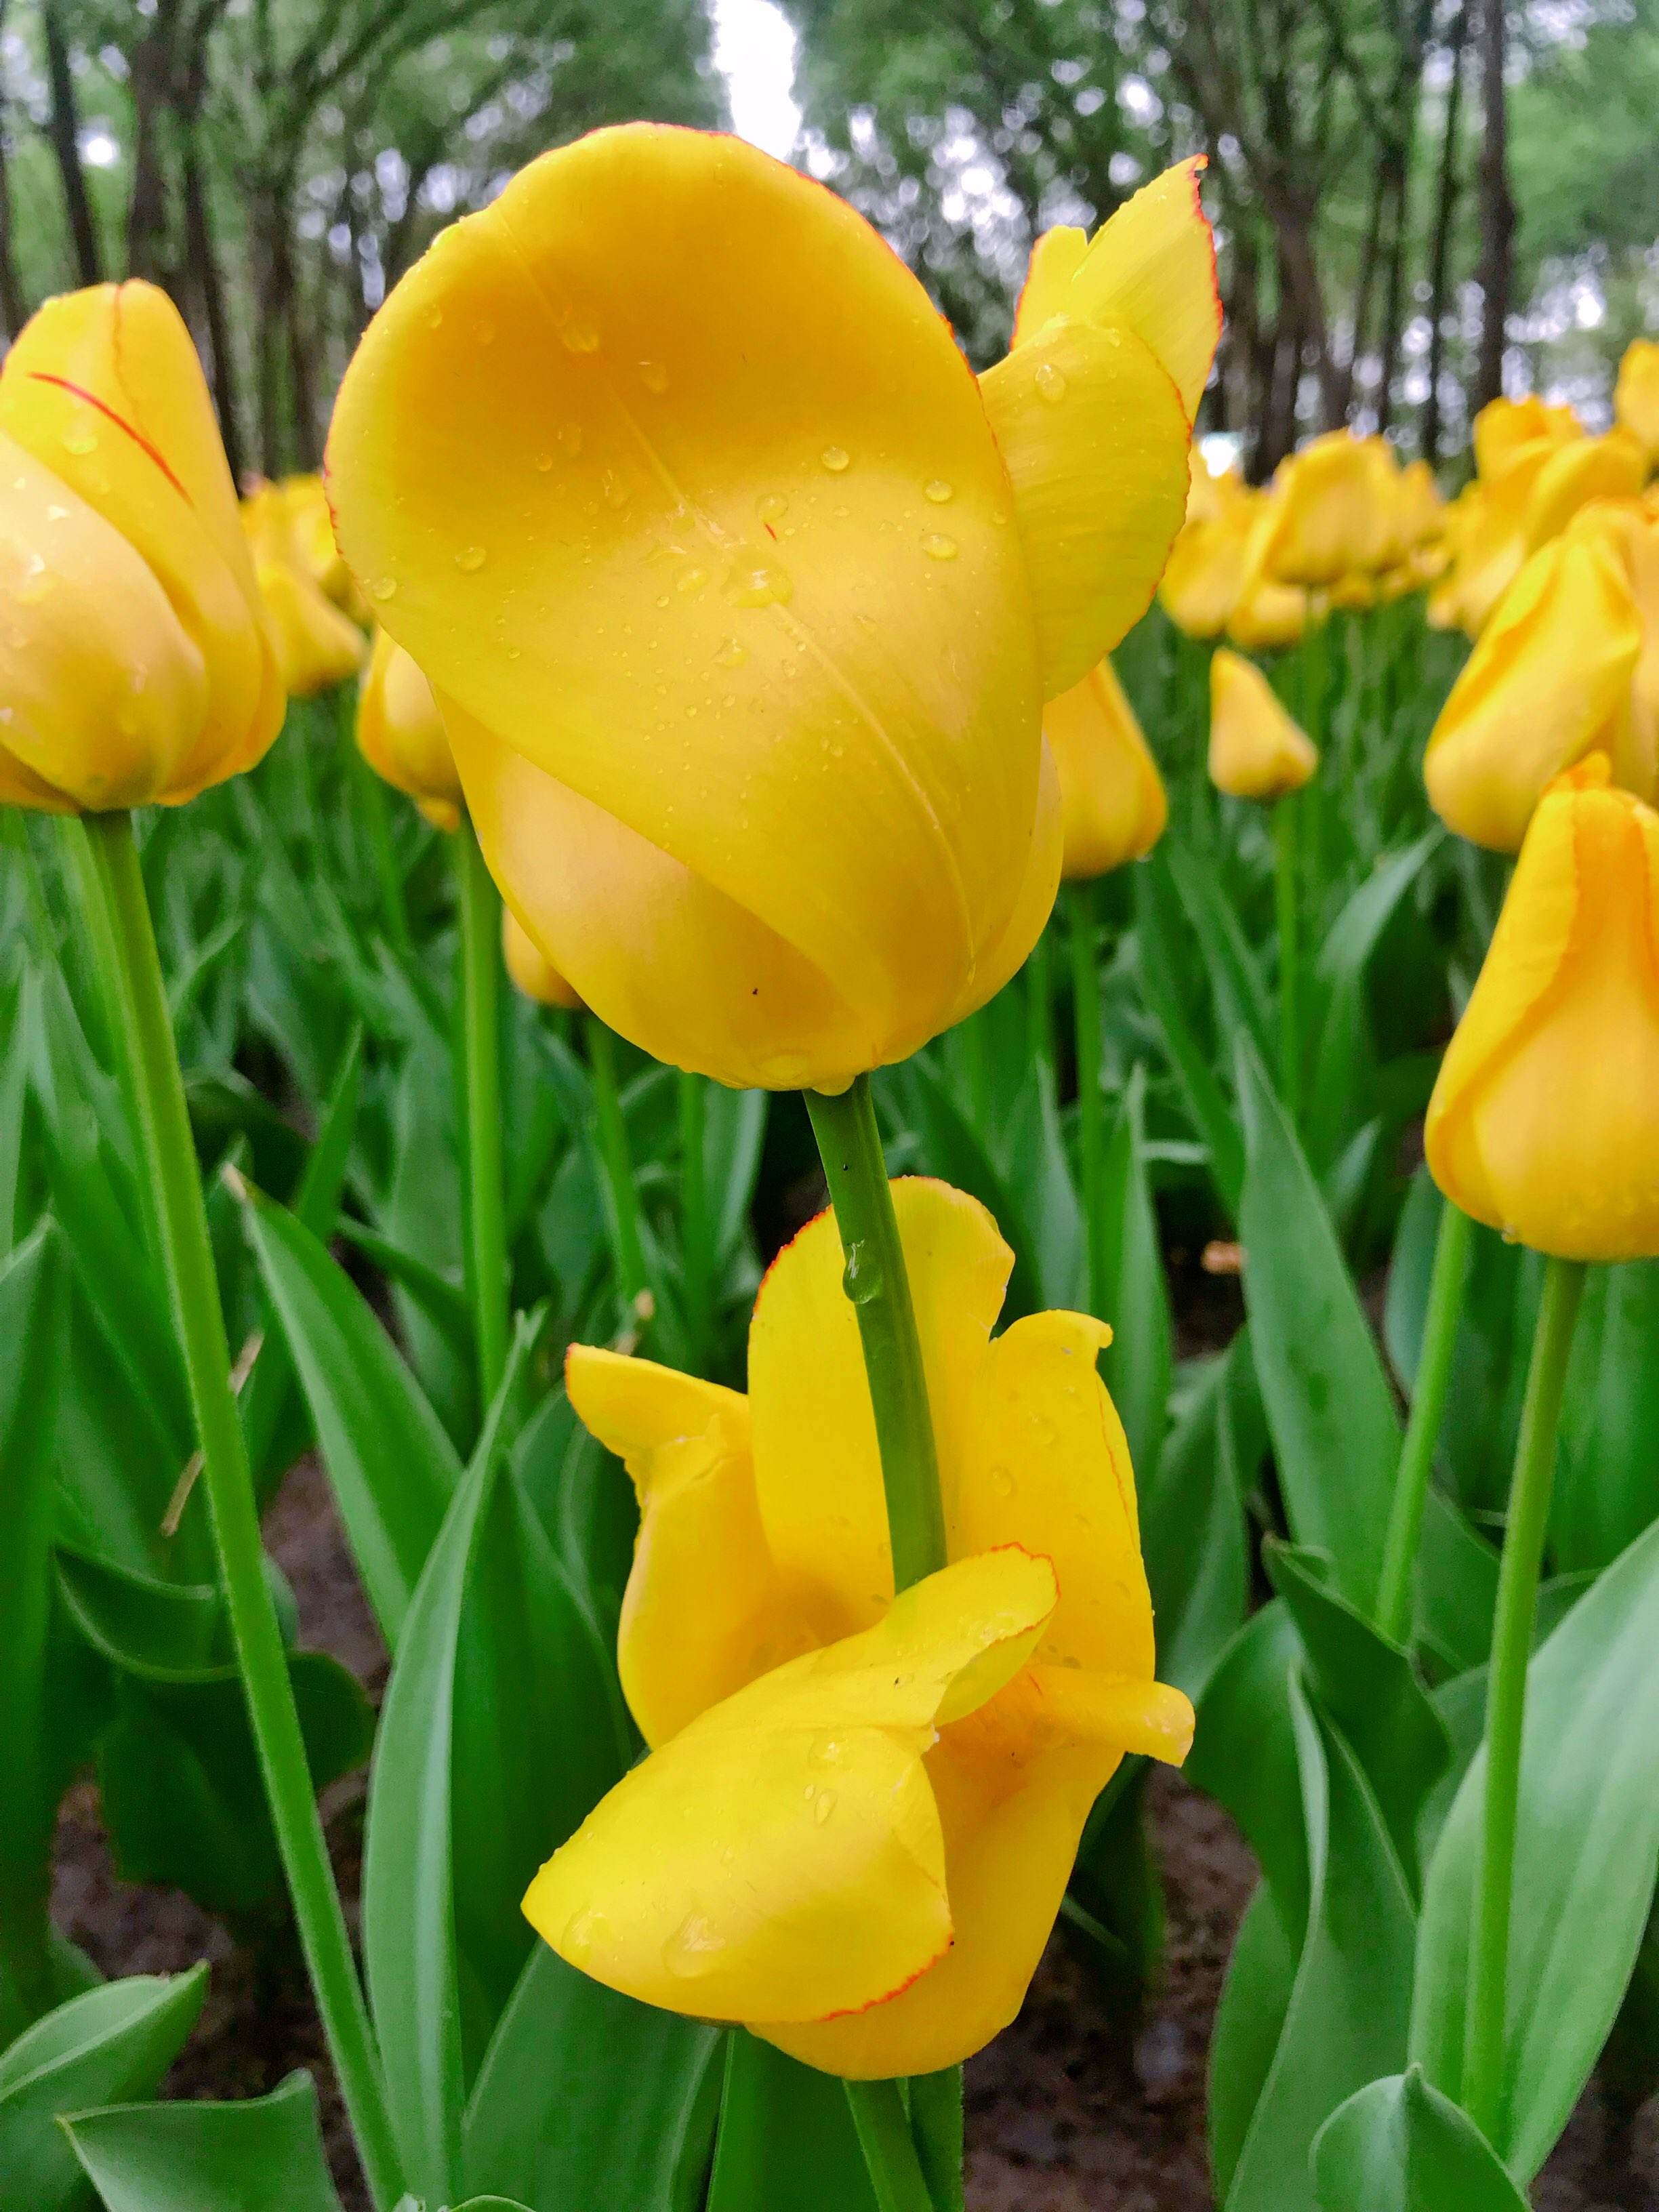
(1440, 249)
(1497, 205)
(151, 85)
(204, 265)
(1393, 294)
(63, 128)
(1368, 253)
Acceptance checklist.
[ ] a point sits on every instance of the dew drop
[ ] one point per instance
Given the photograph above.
(471, 558)
(770, 507)
(1050, 384)
(79, 441)
(693, 1944)
(730, 654)
(582, 1932)
(938, 491)
(938, 548)
(1002, 1481)
(615, 490)
(383, 588)
(580, 337)
(836, 458)
(57, 514)
(755, 583)
(825, 1805)
(691, 579)
(543, 463)
(570, 437)
(654, 376)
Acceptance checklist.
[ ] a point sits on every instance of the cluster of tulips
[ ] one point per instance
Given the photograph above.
(756, 654)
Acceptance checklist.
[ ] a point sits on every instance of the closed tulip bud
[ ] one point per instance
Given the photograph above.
(1545, 1121)
(1546, 683)
(134, 663)
(1111, 794)
(742, 598)
(531, 968)
(401, 734)
(316, 647)
(1257, 751)
(1636, 394)
(1329, 512)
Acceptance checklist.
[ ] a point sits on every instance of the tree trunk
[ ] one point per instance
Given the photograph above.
(1368, 253)
(1440, 248)
(151, 85)
(1497, 205)
(203, 262)
(63, 128)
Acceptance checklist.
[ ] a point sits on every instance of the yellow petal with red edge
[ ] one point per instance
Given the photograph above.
(1115, 804)
(1095, 441)
(657, 950)
(1048, 1466)
(101, 691)
(1151, 265)
(1037, 898)
(1056, 259)
(817, 1472)
(1014, 1784)
(642, 454)
(705, 1610)
(104, 388)
(781, 1857)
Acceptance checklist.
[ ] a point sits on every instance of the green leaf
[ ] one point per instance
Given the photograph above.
(1044, 1196)
(165, 1630)
(392, 1468)
(115, 2042)
(1235, 984)
(1607, 1487)
(587, 2101)
(1587, 1849)
(1164, 983)
(951, 1149)
(1399, 2146)
(1137, 1366)
(264, 2154)
(786, 2137)
(1193, 1533)
(1336, 1434)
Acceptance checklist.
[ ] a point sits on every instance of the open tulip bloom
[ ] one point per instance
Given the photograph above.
(741, 596)
(858, 1816)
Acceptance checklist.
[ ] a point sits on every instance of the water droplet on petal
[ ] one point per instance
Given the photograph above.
(770, 507)
(938, 491)
(543, 463)
(1002, 1481)
(836, 458)
(938, 548)
(691, 579)
(730, 654)
(615, 490)
(654, 376)
(1050, 384)
(383, 588)
(471, 558)
(80, 441)
(753, 582)
(825, 1807)
(580, 337)
(692, 1947)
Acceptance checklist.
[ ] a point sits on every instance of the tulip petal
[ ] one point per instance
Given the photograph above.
(816, 1465)
(655, 950)
(781, 1857)
(1036, 899)
(1113, 798)
(722, 543)
(1151, 266)
(685, 1445)
(1056, 259)
(1257, 751)
(1095, 442)
(400, 732)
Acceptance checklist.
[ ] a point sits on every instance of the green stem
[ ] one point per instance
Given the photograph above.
(696, 1235)
(17, 836)
(621, 1202)
(889, 2148)
(486, 1217)
(849, 1144)
(377, 824)
(135, 985)
(1485, 2021)
(1290, 953)
(1090, 1116)
(1039, 1008)
(1452, 1246)
(936, 2129)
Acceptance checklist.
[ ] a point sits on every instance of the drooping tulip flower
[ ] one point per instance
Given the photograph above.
(316, 647)
(1111, 794)
(1257, 751)
(134, 662)
(1547, 683)
(401, 734)
(742, 597)
(534, 975)
(1636, 394)
(1545, 1121)
(858, 1816)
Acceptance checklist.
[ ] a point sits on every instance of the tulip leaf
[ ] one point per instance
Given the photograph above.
(1135, 1297)
(1235, 985)
(952, 1149)
(1164, 984)
(588, 2101)
(111, 2043)
(786, 2137)
(392, 1466)
(1044, 1196)
(1586, 1854)
(1608, 1489)
(1336, 1434)
(260, 2155)
(1399, 2146)
(1193, 1532)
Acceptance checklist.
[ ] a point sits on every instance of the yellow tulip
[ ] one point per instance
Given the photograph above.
(1331, 510)
(858, 1816)
(530, 969)
(1257, 751)
(1504, 429)
(1636, 394)
(1613, 467)
(317, 646)
(134, 663)
(313, 532)
(1422, 513)
(1547, 683)
(1111, 794)
(1269, 616)
(1545, 1121)
(401, 734)
(1204, 575)
(742, 597)
(1629, 530)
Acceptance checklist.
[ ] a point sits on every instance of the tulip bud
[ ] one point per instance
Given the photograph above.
(1111, 794)
(401, 734)
(1636, 395)
(316, 647)
(530, 967)
(1546, 683)
(1257, 751)
(134, 666)
(1332, 511)
(1205, 573)
(1545, 1121)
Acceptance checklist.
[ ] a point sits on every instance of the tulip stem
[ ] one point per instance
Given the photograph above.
(1452, 1247)
(696, 1237)
(1485, 2022)
(1290, 953)
(486, 1211)
(126, 938)
(616, 1187)
(1090, 1120)
(888, 2147)
(1039, 1012)
(849, 1144)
